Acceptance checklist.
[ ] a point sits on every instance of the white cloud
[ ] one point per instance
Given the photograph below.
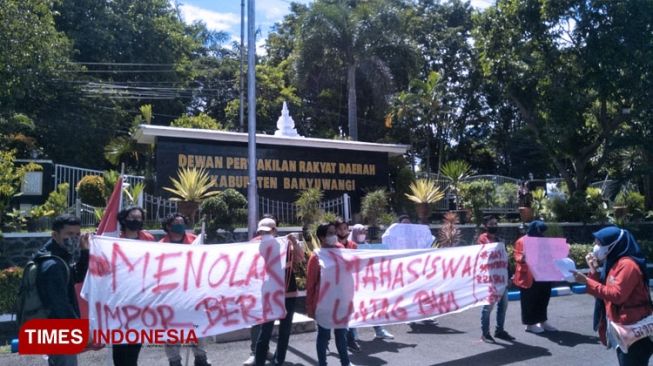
(214, 20)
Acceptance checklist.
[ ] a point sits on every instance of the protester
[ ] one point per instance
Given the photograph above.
(620, 288)
(55, 280)
(131, 227)
(174, 226)
(534, 295)
(358, 235)
(489, 235)
(326, 234)
(267, 229)
(342, 232)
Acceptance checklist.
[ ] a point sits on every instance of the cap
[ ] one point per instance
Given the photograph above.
(266, 225)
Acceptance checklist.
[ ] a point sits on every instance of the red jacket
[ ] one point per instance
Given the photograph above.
(523, 277)
(142, 235)
(349, 245)
(313, 283)
(625, 294)
(188, 239)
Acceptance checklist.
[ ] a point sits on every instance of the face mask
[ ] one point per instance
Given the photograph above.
(361, 238)
(71, 244)
(178, 229)
(331, 240)
(134, 225)
(492, 229)
(600, 252)
(267, 237)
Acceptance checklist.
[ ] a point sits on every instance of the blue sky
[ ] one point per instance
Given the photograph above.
(224, 15)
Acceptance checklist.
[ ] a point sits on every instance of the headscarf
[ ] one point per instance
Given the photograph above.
(536, 228)
(355, 231)
(624, 245)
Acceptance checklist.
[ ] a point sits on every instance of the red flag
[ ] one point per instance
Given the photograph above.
(109, 223)
(108, 227)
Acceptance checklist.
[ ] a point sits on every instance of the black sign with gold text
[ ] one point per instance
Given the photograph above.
(282, 171)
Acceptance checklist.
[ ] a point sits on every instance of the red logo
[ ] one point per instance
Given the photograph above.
(53, 336)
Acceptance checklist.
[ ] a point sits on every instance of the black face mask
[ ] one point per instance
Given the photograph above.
(134, 225)
(492, 229)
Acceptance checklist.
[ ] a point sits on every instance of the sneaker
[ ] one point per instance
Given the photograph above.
(534, 329)
(548, 327)
(502, 334)
(384, 334)
(487, 338)
(249, 362)
(201, 361)
(353, 346)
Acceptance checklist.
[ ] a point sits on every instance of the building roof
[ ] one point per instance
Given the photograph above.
(147, 134)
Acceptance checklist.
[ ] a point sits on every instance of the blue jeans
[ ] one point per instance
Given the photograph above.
(323, 336)
(263, 341)
(502, 306)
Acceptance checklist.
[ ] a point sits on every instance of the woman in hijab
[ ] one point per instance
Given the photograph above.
(534, 295)
(620, 289)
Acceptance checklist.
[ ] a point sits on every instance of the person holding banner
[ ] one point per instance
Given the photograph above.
(358, 235)
(534, 295)
(621, 291)
(131, 227)
(343, 234)
(326, 234)
(267, 230)
(491, 226)
(56, 277)
(174, 226)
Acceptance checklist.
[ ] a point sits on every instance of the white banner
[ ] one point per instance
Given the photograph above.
(212, 289)
(408, 236)
(376, 287)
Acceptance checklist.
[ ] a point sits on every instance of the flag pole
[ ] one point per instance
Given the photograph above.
(252, 202)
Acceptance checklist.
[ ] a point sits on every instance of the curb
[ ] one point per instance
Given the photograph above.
(556, 291)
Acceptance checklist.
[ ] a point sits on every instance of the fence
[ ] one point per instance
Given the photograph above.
(157, 208)
(72, 175)
(286, 212)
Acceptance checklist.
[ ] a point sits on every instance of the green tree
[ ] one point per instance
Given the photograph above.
(202, 121)
(357, 38)
(572, 69)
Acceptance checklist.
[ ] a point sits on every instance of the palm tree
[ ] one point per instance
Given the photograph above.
(354, 35)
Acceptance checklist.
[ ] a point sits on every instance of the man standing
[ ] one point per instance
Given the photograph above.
(56, 277)
(175, 228)
(491, 227)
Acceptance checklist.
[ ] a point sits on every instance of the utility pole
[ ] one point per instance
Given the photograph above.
(242, 62)
(252, 201)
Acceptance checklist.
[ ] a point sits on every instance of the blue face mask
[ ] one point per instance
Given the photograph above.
(178, 228)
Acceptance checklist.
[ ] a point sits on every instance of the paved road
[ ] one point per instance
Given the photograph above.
(455, 341)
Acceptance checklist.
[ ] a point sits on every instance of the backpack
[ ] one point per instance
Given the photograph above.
(29, 305)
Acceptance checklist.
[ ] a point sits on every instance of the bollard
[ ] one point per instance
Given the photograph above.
(14, 345)
(579, 289)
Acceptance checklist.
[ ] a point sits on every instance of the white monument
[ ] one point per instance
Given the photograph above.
(285, 124)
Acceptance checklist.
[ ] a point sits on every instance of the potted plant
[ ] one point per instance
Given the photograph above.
(455, 171)
(424, 192)
(191, 187)
(538, 204)
(525, 201)
(477, 195)
(373, 206)
(308, 208)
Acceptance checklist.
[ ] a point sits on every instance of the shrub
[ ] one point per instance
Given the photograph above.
(91, 190)
(575, 209)
(634, 203)
(598, 209)
(577, 253)
(506, 194)
(9, 283)
(478, 195)
(374, 205)
(224, 211)
(57, 202)
(308, 206)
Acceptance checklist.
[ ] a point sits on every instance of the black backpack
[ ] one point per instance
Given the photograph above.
(29, 304)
